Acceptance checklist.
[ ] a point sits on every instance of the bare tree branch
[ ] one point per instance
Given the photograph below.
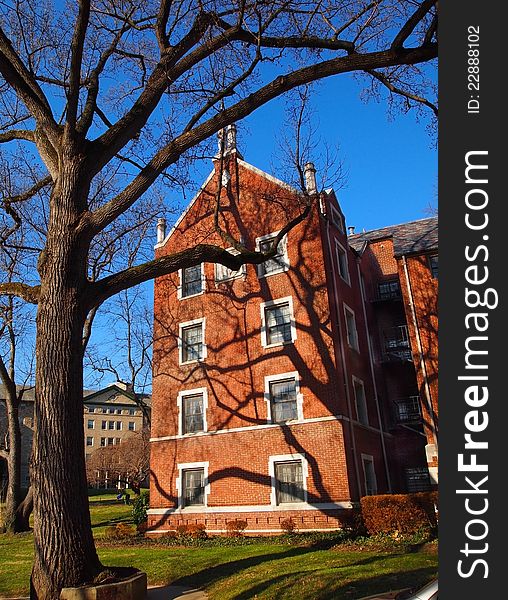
(21, 290)
(17, 134)
(406, 94)
(77, 44)
(408, 28)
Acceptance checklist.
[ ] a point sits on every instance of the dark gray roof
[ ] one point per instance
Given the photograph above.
(408, 238)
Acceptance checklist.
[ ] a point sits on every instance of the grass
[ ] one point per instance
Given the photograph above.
(264, 569)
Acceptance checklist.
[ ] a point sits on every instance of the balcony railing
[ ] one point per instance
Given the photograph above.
(408, 410)
(396, 345)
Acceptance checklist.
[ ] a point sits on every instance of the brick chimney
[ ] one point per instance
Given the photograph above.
(309, 173)
(161, 230)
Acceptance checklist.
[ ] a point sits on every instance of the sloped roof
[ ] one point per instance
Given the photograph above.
(29, 394)
(408, 238)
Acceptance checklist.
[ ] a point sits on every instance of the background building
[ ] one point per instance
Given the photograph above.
(286, 390)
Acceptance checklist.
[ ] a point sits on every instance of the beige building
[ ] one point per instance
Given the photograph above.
(112, 414)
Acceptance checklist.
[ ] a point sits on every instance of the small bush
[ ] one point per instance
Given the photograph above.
(288, 526)
(140, 508)
(194, 531)
(402, 513)
(236, 527)
(119, 531)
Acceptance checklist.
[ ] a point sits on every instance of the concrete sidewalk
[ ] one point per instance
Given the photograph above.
(175, 592)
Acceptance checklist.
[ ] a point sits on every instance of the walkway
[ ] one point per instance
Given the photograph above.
(175, 592)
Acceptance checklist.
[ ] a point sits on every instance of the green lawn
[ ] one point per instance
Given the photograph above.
(260, 570)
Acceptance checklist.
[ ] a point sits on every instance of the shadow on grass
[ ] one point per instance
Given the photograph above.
(123, 519)
(337, 590)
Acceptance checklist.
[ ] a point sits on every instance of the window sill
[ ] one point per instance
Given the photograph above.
(278, 344)
(278, 272)
(191, 295)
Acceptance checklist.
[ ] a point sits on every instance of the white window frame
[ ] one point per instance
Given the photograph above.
(242, 271)
(179, 401)
(347, 309)
(180, 284)
(117, 426)
(283, 243)
(370, 458)
(340, 247)
(282, 458)
(183, 326)
(179, 487)
(264, 329)
(357, 381)
(88, 421)
(337, 217)
(133, 426)
(89, 437)
(299, 396)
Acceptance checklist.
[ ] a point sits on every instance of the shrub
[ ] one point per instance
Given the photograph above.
(288, 526)
(403, 513)
(194, 531)
(236, 527)
(121, 530)
(140, 508)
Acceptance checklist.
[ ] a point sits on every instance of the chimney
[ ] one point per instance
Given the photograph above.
(351, 229)
(309, 172)
(231, 137)
(161, 230)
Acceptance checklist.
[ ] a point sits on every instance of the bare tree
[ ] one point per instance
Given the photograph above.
(120, 93)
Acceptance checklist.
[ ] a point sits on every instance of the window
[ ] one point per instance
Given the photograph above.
(191, 281)
(289, 482)
(119, 425)
(389, 290)
(336, 218)
(89, 441)
(278, 326)
(342, 262)
(111, 424)
(111, 441)
(117, 441)
(369, 474)
(103, 441)
(91, 409)
(118, 411)
(434, 265)
(352, 335)
(111, 411)
(90, 424)
(132, 411)
(104, 425)
(283, 400)
(361, 402)
(192, 413)
(279, 262)
(132, 426)
(222, 273)
(192, 346)
(193, 487)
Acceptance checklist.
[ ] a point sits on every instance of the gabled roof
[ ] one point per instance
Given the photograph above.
(408, 238)
(115, 390)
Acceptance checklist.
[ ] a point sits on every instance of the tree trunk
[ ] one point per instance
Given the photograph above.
(23, 512)
(13, 497)
(65, 554)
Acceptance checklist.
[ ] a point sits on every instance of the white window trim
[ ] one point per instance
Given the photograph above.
(337, 246)
(299, 396)
(242, 271)
(369, 457)
(352, 312)
(88, 424)
(186, 467)
(356, 380)
(181, 327)
(134, 426)
(91, 438)
(283, 243)
(179, 402)
(180, 284)
(340, 218)
(264, 329)
(121, 426)
(272, 460)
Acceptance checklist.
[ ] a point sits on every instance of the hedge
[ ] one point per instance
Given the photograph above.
(405, 513)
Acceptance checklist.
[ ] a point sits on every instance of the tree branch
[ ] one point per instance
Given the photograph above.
(17, 134)
(77, 45)
(21, 290)
(408, 28)
(396, 90)
(170, 153)
(30, 192)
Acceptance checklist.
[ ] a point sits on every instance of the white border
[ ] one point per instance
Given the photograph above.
(181, 327)
(188, 467)
(371, 458)
(263, 306)
(299, 396)
(285, 257)
(334, 209)
(180, 284)
(337, 246)
(272, 460)
(355, 379)
(256, 508)
(351, 311)
(194, 392)
(242, 271)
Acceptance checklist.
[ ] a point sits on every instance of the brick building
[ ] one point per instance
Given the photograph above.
(275, 394)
